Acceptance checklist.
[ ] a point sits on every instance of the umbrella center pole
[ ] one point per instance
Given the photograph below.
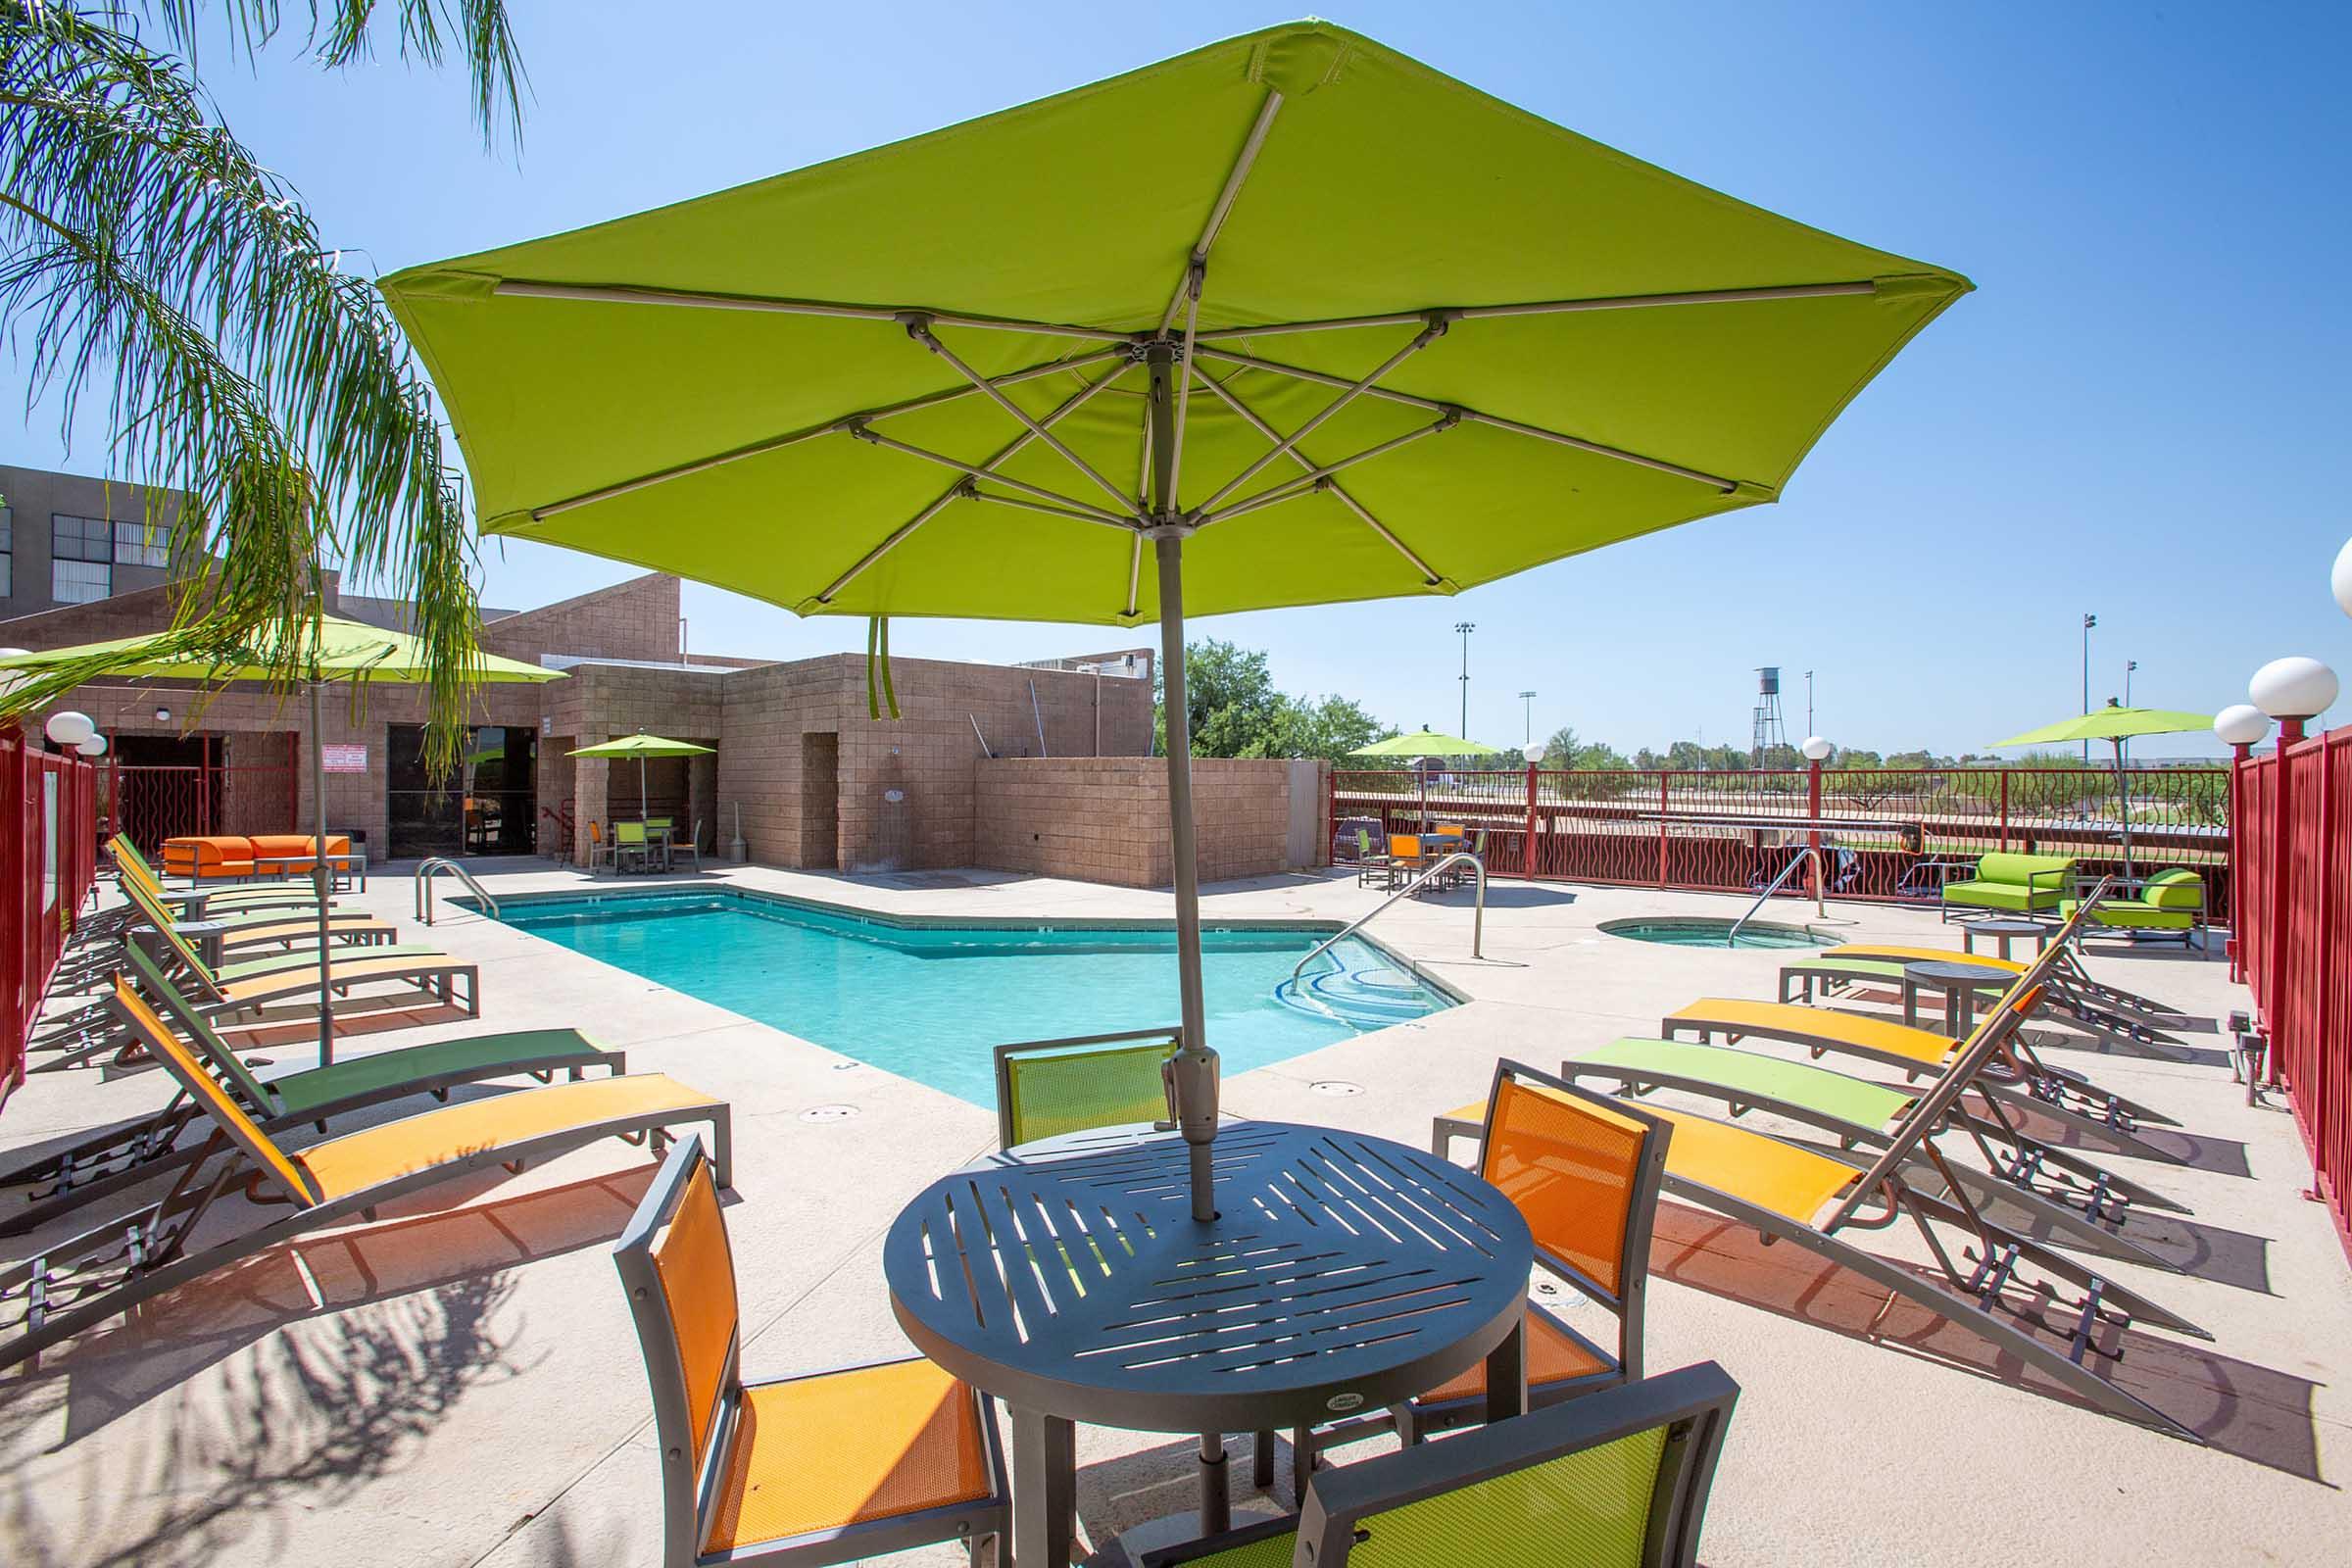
(1193, 1071)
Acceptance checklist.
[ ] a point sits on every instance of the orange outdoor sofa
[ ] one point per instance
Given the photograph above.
(219, 856)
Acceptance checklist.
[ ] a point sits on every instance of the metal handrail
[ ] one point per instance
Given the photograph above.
(1478, 926)
(424, 887)
(1819, 909)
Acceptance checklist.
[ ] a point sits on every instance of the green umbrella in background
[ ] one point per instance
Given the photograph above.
(1289, 319)
(348, 651)
(642, 745)
(2115, 724)
(1424, 742)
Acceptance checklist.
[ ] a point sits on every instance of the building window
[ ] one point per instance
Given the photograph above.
(81, 553)
(137, 545)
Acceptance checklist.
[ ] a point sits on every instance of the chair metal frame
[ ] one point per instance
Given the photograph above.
(688, 1493)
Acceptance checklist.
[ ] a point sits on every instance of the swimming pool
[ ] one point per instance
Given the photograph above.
(927, 1002)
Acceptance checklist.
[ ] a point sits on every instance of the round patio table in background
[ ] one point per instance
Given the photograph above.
(2005, 932)
(1959, 981)
(1067, 1277)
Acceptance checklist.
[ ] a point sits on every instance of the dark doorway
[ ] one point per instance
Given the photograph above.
(487, 810)
(820, 801)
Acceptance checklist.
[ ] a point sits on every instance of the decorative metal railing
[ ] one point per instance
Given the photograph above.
(48, 862)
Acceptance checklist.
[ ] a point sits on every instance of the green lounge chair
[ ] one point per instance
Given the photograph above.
(2093, 1001)
(2170, 907)
(146, 1147)
(2013, 883)
(1617, 1480)
(1816, 977)
(78, 1282)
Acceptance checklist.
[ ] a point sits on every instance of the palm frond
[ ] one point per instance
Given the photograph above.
(144, 251)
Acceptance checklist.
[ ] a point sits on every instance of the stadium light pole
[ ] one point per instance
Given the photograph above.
(1527, 726)
(2089, 622)
(1465, 628)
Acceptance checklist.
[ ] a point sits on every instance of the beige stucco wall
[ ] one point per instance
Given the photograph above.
(1105, 819)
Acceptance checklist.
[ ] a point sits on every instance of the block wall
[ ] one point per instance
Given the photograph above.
(1105, 819)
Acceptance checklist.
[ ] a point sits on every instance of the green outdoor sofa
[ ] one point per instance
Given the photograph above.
(2170, 907)
(2012, 884)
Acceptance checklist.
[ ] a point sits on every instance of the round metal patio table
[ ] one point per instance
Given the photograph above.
(2005, 932)
(1067, 1277)
(1959, 981)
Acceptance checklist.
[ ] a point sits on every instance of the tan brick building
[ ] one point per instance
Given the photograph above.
(1036, 768)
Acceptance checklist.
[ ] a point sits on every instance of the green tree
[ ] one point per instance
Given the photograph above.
(1562, 750)
(1233, 710)
(147, 257)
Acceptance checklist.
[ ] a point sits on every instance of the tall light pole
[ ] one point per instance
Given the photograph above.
(1808, 702)
(1465, 628)
(1526, 731)
(2089, 622)
(2130, 664)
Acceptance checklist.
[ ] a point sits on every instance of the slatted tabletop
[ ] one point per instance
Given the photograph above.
(1343, 1272)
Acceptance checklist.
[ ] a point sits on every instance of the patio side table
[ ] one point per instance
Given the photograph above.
(1344, 1272)
(2005, 932)
(1959, 982)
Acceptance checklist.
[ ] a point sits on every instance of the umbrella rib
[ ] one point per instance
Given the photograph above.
(1431, 330)
(966, 486)
(1134, 572)
(1026, 504)
(1613, 302)
(859, 431)
(1475, 417)
(777, 443)
(1234, 179)
(1193, 276)
(691, 299)
(1314, 478)
(1429, 575)
(920, 331)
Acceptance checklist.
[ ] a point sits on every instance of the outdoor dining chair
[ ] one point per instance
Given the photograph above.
(630, 846)
(1618, 1480)
(822, 1467)
(1371, 864)
(1585, 1170)
(1046, 1087)
(691, 844)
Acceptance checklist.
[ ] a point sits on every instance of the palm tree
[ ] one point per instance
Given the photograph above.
(145, 254)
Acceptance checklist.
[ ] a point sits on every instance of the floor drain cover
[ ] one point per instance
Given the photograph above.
(846, 1066)
(828, 1113)
(1337, 1087)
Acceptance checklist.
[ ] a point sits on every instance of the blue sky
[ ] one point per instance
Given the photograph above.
(2141, 413)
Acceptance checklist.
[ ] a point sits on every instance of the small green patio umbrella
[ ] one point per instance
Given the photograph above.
(2115, 724)
(642, 745)
(1424, 742)
(1289, 319)
(347, 650)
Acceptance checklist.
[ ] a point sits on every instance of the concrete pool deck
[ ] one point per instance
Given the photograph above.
(459, 1383)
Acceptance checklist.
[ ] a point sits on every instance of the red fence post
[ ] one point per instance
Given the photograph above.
(1663, 777)
(1813, 812)
(2234, 948)
(1528, 868)
(2282, 794)
(2004, 811)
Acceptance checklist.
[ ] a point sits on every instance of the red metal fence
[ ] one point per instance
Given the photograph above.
(48, 859)
(2294, 940)
(149, 803)
(1896, 833)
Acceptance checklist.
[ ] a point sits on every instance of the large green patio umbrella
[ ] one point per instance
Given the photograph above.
(341, 650)
(1289, 319)
(2115, 724)
(1424, 742)
(642, 745)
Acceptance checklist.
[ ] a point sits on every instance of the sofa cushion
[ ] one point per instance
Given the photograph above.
(2176, 888)
(2132, 916)
(2010, 896)
(2039, 870)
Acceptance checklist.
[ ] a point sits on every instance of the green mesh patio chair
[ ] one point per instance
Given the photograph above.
(1618, 1480)
(1046, 1087)
(630, 846)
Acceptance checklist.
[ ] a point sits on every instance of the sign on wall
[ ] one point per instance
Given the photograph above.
(344, 759)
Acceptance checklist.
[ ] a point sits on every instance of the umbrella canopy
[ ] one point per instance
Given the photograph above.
(642, 745)
(340, 649)
(2115, 724)
(1308, 320)
(1425, 743)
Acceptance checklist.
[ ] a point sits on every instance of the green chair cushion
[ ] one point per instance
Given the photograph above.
(2136, 916)
(477, 1057)
(2174, 890)
(2020, 869)
(2010, 896)
(1819, 1090)
(308, 958)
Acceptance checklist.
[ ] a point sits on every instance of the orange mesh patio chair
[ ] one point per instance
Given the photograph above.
(76, 1284)
(824, 1467)
(1585, 1170)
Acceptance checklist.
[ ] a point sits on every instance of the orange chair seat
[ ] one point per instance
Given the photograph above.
(1775, 1019)
(347, 970)
(843, 1447)
(1789, 1180)
(360, 1160)
(298, 926)
(1552, 1356)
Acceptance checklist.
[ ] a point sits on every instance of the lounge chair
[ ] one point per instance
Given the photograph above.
(147, 1147)
(823, 1467)
(2012, 884)
(247, 929)
(2093, 1001)
(1584, 1172)
(2168, 906)
(1620, 1477)
(1806, 979)
(72, 1284)
(1998, 1284)
(194, 902)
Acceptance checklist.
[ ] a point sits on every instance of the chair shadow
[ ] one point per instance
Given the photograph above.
(2222, 1156)
(1116, 1494)
(2215, 1252)
(2254, 1412)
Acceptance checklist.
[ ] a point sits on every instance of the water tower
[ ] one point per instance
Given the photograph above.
(1769, 730)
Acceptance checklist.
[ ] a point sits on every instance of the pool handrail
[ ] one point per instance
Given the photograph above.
(424, 887)
(1819, 909)
(1478, 925)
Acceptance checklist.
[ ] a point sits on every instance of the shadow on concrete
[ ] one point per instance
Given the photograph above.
(1503, 896)
(2203, 1251)
(1116, 1494)
(2223, 1156)
(2254, 1412)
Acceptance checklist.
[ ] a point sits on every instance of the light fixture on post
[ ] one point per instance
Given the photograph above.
(1816, 752)
(68, 729)
(2241, 727)
(95, 747)
(2340, 579)
(2290, 690)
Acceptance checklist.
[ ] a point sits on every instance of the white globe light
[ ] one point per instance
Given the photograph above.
(2340, 579)
(1817, 750)
(68, 728)
(2294, 687)
(2241, 725)
(95, 746)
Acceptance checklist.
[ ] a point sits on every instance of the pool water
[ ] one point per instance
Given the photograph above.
(928, 1002)
(1703, 933)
